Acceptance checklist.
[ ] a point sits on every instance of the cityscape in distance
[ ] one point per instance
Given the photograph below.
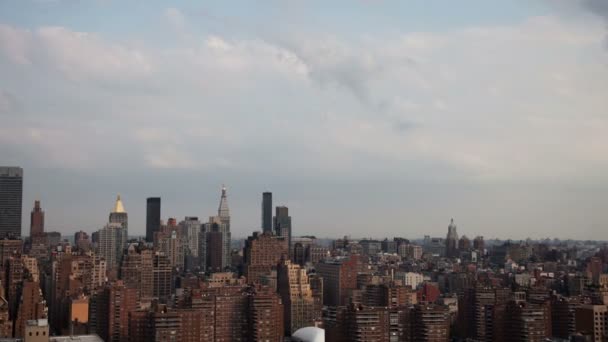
(303, 171)
(188, 280)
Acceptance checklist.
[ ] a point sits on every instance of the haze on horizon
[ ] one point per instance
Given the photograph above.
(366, 118)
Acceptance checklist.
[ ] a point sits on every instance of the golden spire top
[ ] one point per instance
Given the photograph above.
(118, 207)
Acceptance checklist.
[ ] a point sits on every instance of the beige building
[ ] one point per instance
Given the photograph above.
(297, 296)
(36, 331)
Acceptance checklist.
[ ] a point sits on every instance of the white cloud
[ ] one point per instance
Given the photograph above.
(79, 55)
(176, 18)
(499, 103)
(14, 44)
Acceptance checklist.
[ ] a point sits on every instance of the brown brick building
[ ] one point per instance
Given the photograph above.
(263, 251)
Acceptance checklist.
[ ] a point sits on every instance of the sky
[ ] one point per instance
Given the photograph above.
(367, 118)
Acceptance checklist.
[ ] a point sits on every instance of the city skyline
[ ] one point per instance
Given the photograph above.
(245, 231)
(409, 112)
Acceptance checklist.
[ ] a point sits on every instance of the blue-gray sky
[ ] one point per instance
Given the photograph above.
(367, 118)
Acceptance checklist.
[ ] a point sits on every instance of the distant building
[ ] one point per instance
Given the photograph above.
(119, 215)
(11, 201)
(451, 241)
(339, 279)
(112, 241)
(153, 215)
(36, 220)
(282, 223)
(267, 212)
(219, 224)
(191, 229)
(82, 240)
(113, 237)
(479, 243)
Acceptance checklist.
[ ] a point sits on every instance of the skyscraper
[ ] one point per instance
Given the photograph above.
(113, 237)
(218, 225)
(297, 296)
(11, 196)
(267, 212)
(282, 223)
(36, 220)
(152, 217)
(451, 241)
(119, 215)
(223, 212)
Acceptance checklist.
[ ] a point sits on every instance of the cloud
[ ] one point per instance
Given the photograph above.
(78, 55)
(600, 8)
(176, 18)
(8, 102)
(478, 103)
(14, 44)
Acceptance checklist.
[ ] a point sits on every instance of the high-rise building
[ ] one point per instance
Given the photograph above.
(225, 309)
(298, 301)
(339, 279)
(215, 256)
(36, 220)
(119, 215)
(265, 315)
(32, 306)
(430, 323)
(113, 237)
(262, 253)
(592, 321)
(451, 241)
(475, 306)
(121, 301)
(11, 197)
(152, 217)
(13, 280)
(223, 213)
(218, 225)
(282, 223)
(190, 231)
(112, 241)
(137, 271)
(170, 242)
(162, 280)
(267, 212)
(563, 316)
(526, 322)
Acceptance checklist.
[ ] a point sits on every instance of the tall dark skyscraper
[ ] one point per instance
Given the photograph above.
(152, 217)
(37, 220)
(267, 212)
(11, 196)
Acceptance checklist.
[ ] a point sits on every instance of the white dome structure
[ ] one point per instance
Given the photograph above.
(309, 334)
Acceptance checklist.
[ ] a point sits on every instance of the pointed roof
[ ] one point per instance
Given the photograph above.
(223, 210)
(118, 207)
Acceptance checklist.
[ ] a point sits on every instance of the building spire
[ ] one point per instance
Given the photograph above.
(118, 206)
(223, 210)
